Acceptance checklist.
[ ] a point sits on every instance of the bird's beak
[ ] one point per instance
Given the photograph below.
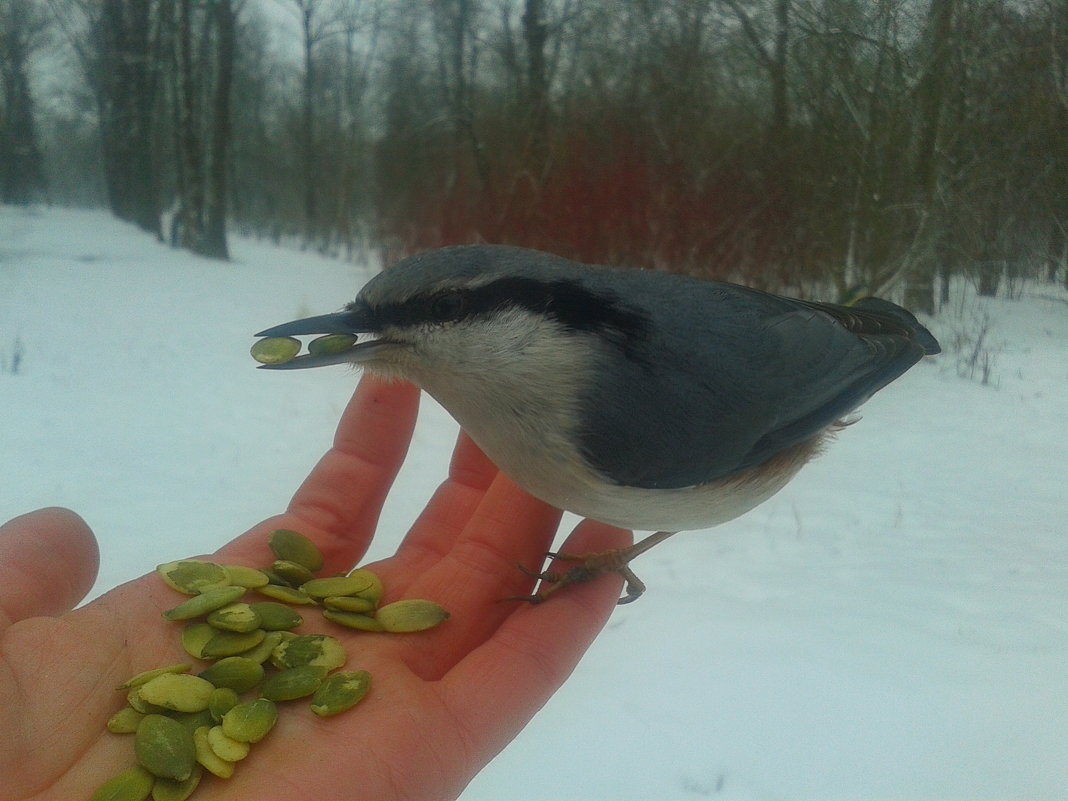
(351, 321)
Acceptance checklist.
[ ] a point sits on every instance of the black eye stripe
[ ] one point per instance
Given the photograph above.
(567, 302)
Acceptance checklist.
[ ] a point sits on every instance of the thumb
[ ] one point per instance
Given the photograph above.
(48, 562)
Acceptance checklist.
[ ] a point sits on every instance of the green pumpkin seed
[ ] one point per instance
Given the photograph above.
(148, 675)
(293, 546)
(125, 721)
(262, 652)
(298, 682)
(276, 617)
(178, 691)
(165, 748)
(331, 344)
(337, 585)
(226, 748)
(207, 758)
(287, 594)
(250, 721)
(241, 576)
(348, 603)
(134, 699)
(375, 590)
(340, 691)
(235, 617)
(293, 572)
(237, 673)
(414, 614)
(319, 650)
(173, 790)
(133, 784)
(232, 643)
(195, 636)
(222, 701)
(192, 576)
(275, 350)
(353, 620)
(207, 601)
(194, 720)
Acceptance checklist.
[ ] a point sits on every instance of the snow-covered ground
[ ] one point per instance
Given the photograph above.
(894, 624)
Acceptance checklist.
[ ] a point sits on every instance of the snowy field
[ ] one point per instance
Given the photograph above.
(892, 625)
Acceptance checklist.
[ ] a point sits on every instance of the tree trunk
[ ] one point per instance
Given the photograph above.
(919, 283)
(22, 178)
(215, 212)
(125, 79)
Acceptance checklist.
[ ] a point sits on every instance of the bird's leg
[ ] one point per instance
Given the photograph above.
(592, 565)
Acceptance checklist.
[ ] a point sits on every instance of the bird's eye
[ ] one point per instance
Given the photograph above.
(449, 306)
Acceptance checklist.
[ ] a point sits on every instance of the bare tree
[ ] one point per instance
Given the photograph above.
(22, 29)
(201, 80)
(124, 70)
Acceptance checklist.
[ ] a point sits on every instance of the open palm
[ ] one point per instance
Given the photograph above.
(444, 701)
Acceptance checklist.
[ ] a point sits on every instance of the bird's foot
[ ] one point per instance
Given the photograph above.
(590, 566)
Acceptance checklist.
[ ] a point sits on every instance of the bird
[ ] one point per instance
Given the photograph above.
(641, 398)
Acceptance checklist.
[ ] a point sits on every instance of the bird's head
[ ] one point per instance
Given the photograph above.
(470, 318)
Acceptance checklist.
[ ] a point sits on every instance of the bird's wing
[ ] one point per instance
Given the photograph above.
(761, 374)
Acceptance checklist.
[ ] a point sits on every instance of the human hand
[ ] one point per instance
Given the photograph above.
(444, 701)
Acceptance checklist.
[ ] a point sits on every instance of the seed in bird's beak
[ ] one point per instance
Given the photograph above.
(330, 344)
(275, 350)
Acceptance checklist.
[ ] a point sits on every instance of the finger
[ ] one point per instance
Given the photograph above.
(338, 505)
(435, 531)
(508, 529)
(535, 649)
(48, 562)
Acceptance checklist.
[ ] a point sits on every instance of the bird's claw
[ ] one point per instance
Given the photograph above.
(589, 567)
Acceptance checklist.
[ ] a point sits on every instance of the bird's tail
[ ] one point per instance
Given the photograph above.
(919, 333)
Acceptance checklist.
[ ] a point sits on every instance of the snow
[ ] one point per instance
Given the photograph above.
(892, 625)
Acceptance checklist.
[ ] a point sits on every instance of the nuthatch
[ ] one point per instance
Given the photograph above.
(642, 399)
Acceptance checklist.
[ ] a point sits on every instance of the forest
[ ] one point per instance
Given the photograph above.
(827, 146)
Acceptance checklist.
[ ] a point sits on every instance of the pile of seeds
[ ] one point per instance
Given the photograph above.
(185, 724)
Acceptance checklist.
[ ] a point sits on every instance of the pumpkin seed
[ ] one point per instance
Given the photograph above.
(276, 617)
(235, 617)
(192, 576)
(320, 650)
(287, 594)
(208, 758)
(148, 675)
(414, 614)
(195, 636)
(298, 682)
(348, 603)
(331, 344)
(165, 748)
(353, 620)
(337, 585)
(275, 350)
(222, 701)
(125, 721)
(207, 601)
(250, 721)
(375, 590)
(237, 673)
(293, 546)
(340, 691)
(232, 643)
(226, 748)
(174, 790)
(179, 692)
(293, 572)
(133, 784)
(262, 652)
(241, 576)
